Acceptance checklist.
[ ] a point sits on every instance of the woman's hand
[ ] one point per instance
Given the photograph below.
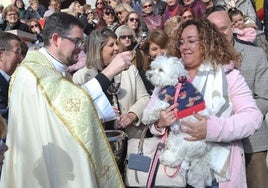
(116, 111)
(167, 117)
(121, 62)
(126, 120)
(197, 130)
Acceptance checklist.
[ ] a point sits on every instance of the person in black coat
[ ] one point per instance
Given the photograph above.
(10, 57)
(11, 15)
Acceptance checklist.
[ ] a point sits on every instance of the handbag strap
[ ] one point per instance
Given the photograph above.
(160, 146)
(143, 134)
(174, 174)
(155, 164)
(177, 92)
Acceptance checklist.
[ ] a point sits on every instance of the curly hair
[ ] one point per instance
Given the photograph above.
(214, 46)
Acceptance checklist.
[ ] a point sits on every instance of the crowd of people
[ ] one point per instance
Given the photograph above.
(55, 98)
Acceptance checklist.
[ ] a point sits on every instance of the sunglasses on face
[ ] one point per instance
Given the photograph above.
(119, 12)
(147, 6)
(126, 36)
(108, 13)
(134, 19)
(33, 26)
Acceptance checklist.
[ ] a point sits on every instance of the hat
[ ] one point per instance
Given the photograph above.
(190, 100)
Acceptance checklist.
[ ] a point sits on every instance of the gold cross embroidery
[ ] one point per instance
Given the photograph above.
(106, 172)
(73, 105)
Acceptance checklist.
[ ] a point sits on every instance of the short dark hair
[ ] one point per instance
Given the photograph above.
(5, 38)
(214, 9)
(234, 12)
(61, 23)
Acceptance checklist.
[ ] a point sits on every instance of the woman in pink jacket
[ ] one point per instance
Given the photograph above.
(211, 66)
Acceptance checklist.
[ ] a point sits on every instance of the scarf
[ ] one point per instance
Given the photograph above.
(212, 84)
(172, 10)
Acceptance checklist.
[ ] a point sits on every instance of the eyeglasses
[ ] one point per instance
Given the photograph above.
(78, 42)
(54, 4)
(108, 13)
(134, 19)
(120, 12)
(189, 42)
(147, 6)
(32, 26)
(126, 36)
(17, 52)
(12, 14)
(187, 17)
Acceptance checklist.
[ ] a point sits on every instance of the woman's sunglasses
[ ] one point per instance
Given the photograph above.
(126, 36)
(32, 26)
(120, 12)
(108, 13)
(147, 6)
(134, 19)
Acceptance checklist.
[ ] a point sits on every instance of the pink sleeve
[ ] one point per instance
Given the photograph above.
(151, 101)
(246, 118)
(247, 34)
(157, 131)
(153, 129)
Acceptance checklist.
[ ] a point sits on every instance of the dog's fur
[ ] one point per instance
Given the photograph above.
(190, 155)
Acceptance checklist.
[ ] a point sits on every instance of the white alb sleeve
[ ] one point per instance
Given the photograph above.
(102, 104)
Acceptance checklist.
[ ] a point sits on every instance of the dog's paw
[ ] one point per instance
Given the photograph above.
(185, 165)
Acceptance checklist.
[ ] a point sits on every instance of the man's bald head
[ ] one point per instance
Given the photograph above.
(220, 18)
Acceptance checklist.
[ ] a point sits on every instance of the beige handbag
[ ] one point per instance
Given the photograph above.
(146, 147)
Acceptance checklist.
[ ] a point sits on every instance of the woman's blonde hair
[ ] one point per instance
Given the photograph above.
(125, 6)
(121, 30)
(71, 8)
(214, 46)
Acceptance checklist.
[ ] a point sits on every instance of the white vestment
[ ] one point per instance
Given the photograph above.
(55, 137)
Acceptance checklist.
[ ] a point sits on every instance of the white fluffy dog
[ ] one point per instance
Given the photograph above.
(192, 156)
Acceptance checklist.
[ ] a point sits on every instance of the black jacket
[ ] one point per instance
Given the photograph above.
(19, 25)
